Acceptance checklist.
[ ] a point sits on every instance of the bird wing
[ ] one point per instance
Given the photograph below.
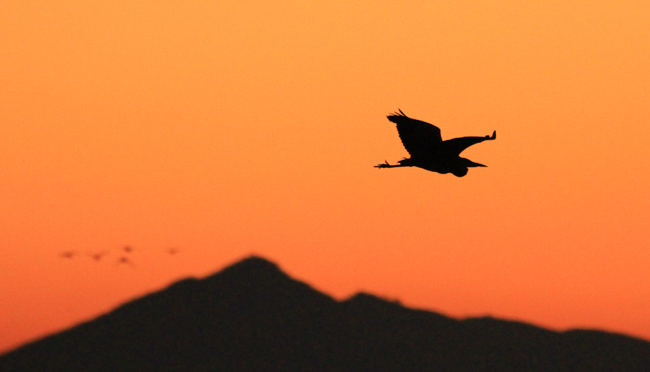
(457, 145)
(420, 138)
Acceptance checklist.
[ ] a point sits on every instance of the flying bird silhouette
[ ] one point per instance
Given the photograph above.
(124, 260)
(98, 256)
(428, 151)
(68, 254)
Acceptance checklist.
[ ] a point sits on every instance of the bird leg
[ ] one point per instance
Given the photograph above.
(386, 165)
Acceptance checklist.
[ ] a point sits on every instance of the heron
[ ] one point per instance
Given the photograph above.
(427, 149)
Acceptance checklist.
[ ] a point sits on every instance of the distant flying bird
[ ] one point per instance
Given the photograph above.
(98, 256)
(128, 249)
(172, 251)
(428, 151)
(124, 260)
(68, 254)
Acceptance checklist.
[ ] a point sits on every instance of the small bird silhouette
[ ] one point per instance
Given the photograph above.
(97, 256)
(172, 251)
(68, 254)
(428, 151)
(128, 249)
(124, 260)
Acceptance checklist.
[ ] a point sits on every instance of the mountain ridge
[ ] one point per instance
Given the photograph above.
(252, 316)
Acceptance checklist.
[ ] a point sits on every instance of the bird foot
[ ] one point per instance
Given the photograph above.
(383, 165)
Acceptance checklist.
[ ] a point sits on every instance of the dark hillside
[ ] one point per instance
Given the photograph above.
(253, 317)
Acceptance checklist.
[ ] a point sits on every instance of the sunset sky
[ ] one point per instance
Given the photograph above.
(225, 129)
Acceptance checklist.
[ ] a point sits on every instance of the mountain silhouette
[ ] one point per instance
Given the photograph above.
(253, 317)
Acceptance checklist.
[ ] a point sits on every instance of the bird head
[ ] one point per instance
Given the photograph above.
(459, 171)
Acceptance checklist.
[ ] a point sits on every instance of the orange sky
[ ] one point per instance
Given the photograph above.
(245, 127)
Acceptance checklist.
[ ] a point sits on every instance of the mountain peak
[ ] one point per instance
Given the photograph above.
(254, 264)
(251, 271)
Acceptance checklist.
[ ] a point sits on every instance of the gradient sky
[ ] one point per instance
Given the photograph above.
(227, 129)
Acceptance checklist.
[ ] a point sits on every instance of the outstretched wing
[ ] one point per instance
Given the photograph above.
(420, 139)
(457, 145)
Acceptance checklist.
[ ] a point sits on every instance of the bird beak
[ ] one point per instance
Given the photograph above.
(469, 164)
